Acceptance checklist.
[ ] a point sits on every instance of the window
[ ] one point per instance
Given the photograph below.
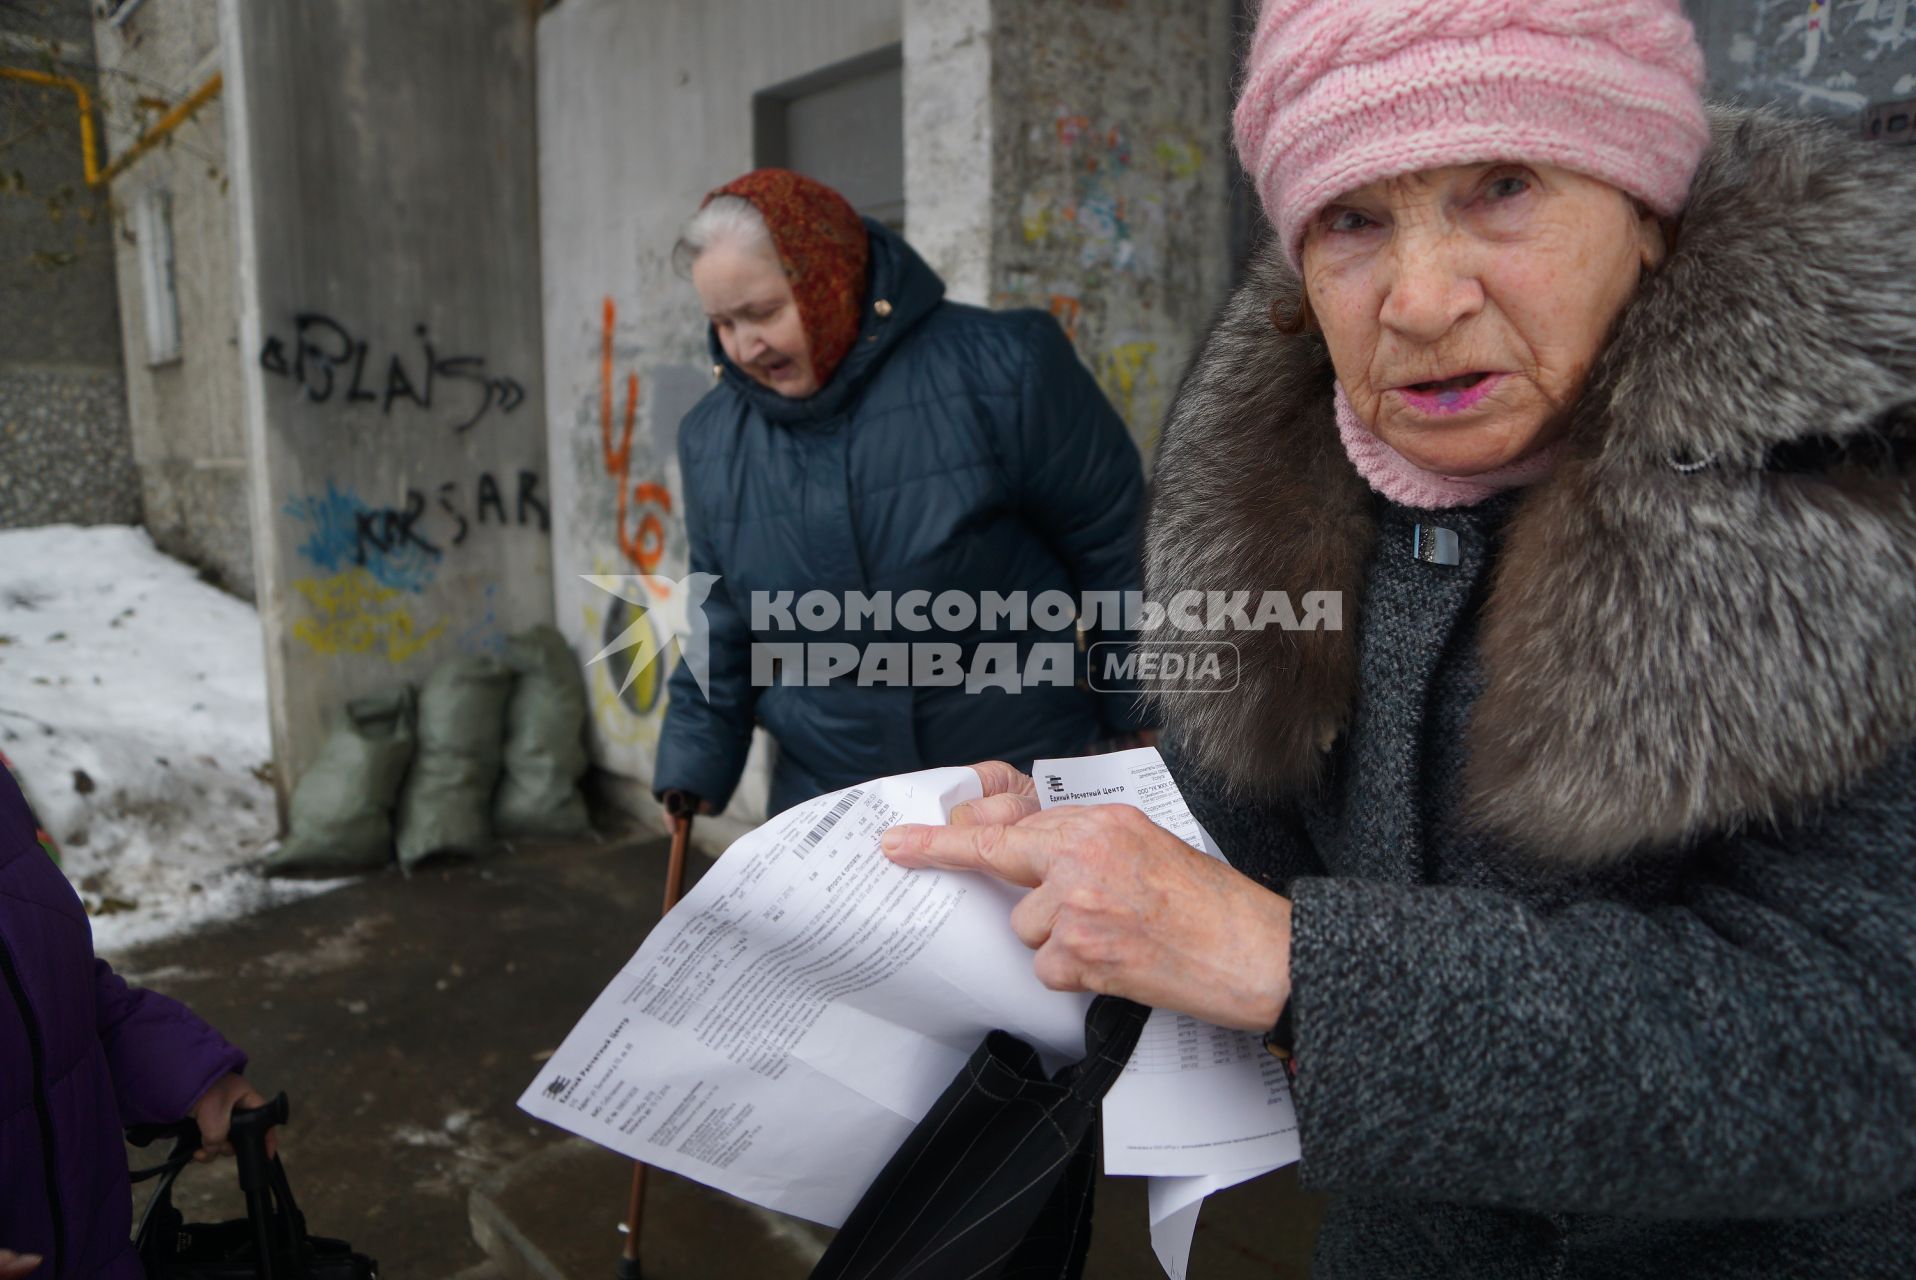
(844, 126)
(153, 227)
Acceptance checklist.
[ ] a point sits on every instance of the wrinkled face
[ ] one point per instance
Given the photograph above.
(749, 302)
(1464, 306)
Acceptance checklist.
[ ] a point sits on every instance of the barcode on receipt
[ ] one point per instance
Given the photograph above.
(839, 810)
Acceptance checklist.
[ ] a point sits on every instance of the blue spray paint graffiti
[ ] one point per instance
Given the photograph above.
(483, 636)
(347, 533)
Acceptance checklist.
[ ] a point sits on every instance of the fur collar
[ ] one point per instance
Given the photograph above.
(1669, 649)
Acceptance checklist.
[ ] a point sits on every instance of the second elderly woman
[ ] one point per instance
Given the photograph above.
(1578, 872)
(870, 439)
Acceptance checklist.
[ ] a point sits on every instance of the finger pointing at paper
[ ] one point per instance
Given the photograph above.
(1009, 796)
(1118, 905)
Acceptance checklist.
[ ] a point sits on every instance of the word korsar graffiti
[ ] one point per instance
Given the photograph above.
(327, 358)
(399, 546)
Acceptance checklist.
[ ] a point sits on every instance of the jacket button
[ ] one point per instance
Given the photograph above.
(882, 307)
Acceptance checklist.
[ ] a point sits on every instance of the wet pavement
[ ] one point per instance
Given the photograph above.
(404, 1017)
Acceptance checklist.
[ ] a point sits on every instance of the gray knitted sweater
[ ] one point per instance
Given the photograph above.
(1602, 840)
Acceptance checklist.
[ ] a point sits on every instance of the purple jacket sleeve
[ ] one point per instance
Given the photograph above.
(162, 1056)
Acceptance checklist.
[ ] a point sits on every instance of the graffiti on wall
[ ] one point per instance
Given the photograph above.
(639, 528)
(1834, 58)
(640, 511)
(353, 612)
(1128, 375)
(330, 363)
(1103, 227)
(401, 545)
(1096, 201)
(483, 635)
(623, 715)
(1065, 308)
(344, 532)
(373, 554)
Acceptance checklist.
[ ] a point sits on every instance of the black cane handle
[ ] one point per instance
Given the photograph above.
(250, 1120)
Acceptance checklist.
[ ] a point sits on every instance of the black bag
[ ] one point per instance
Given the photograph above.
(995, 1183)
(269, 1243)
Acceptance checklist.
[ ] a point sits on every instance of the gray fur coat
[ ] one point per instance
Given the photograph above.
(1601, 841)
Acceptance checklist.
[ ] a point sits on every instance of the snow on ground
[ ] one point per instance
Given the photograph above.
(133, 708)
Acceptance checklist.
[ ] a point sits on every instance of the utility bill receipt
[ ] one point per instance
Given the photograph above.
(780, 1032)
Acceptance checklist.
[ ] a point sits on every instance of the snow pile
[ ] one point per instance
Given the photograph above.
(133, 708)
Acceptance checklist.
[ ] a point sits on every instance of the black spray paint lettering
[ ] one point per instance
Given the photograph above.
(390, 530)
(529, 497)
(327, 358)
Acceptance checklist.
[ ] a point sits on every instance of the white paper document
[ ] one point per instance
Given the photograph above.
(780, 1032)
(1198, 1107)
(782, 1029)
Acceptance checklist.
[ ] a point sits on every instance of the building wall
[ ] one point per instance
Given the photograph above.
(642, 110)
(1064, 154)
(1111, 166)
(65, 454)
(1763, 51)
(187, 415)
(950, 142)
(383, 169)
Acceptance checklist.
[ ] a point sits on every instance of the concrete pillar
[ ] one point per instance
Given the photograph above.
(386, 231)
(949, 141)
(1074, 156)
(1111, 182)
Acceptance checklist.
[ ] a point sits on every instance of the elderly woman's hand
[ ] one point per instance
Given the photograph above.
(17, 1266)
(1118, 905)
(214, 1115)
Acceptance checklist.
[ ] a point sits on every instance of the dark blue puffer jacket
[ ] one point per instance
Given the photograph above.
(954, 449)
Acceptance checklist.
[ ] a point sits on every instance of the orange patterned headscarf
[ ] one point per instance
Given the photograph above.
(824, 247)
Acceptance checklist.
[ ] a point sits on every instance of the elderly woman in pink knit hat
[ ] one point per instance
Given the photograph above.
(1576, 871)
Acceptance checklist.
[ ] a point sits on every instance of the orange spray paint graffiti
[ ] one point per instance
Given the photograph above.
(644, 546)
(1066, 308)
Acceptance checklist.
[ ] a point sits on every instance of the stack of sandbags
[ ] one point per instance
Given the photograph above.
(545, 740)
(446, 806)
(342, 807)
(486, 748)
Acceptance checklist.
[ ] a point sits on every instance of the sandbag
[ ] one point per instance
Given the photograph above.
(446, 806)
(342, 808)
(545, 740)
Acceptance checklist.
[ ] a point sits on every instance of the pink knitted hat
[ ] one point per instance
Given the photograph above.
(1343, 93)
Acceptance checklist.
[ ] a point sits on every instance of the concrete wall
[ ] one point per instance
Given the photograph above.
(642, 110)
(187, 416)
(386, 237)
(1065, 154)
(1763, 51)
(65, 454)
(1110, 170)
(950, 142)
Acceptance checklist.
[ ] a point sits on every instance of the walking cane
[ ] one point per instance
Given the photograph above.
(629, 1268)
